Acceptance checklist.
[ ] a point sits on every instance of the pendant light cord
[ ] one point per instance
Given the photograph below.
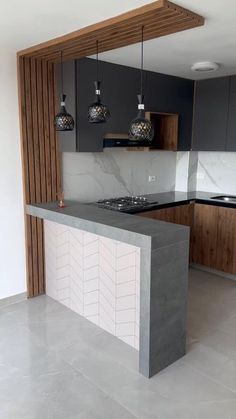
(97, 58)
(142, 62)
(62, 87)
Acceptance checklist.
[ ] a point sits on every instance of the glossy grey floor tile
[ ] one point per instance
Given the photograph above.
(55, 364)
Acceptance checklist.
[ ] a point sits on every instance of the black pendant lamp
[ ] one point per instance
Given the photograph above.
(63, 120)
(141, 129)
(98, 113)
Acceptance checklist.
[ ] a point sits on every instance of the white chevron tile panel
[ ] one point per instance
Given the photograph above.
(96, 277)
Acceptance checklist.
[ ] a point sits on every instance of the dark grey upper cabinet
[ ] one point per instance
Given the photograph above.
(231, 134)
(172, 95)
(211, 114)
(119, 89)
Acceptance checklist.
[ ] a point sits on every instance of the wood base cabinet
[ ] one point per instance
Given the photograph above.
(204, 235)
(213, 233)
(180, 214)
(226, 240)
(214, 237)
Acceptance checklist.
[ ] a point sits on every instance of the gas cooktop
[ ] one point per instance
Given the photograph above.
(126, 204)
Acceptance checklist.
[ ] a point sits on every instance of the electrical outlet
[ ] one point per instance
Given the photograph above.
(152, 179)
(200, 175)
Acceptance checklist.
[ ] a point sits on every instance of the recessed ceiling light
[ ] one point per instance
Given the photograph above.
(205, 66)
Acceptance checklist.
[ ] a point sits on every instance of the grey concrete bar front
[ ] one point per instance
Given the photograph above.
(164, 252)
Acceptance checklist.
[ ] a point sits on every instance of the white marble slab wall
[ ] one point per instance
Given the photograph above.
(182, 169)
(186, 171)
(92, 176)
(96, 277)
(217, 172)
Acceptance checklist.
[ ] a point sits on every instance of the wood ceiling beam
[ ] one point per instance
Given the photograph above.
(159, 18)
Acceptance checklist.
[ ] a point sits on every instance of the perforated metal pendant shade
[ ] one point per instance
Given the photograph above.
(141, 128)
(63, 120)
(98, 112)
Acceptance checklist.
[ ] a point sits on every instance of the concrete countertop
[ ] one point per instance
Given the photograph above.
(168, 199)
(119, 226)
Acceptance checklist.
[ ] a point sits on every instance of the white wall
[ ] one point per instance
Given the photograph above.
(92, 176)
(12, 247)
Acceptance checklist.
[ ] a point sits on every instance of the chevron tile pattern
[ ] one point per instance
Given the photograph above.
(96, 277)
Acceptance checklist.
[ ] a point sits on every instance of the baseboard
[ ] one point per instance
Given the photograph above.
(212, 271)
(13, 299)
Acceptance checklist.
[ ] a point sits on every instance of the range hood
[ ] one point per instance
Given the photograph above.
(122, 140)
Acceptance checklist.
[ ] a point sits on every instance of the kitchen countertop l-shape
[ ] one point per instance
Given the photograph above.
(122, 226)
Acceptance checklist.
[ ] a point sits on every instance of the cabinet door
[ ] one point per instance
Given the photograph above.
(211, 114)
(165, 214)
(180, 214)
(119, 89)
(170, 94)
(226, 240)
(231, 134)
(204, 243)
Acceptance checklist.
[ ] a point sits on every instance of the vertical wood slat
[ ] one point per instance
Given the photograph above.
(41, 131)
(29, 130)
(25, 170)
(40, 160)
(58, 153)
(46, 130)
(35, 129)
(37, 262)
(52, 135)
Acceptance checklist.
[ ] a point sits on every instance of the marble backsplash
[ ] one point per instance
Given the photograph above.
(217, 172)
(92, 176)
(186, 171)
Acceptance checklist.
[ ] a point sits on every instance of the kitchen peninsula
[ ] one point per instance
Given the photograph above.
(129, 275)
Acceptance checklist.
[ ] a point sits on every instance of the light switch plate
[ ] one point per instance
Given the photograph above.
(152, 179)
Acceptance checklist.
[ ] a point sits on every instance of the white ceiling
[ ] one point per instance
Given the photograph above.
(24, 23)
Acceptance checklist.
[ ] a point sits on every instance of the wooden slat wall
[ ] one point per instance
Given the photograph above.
(36, 82)
(41, 164)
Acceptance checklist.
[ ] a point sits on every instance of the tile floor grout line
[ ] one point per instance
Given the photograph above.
(210, 378)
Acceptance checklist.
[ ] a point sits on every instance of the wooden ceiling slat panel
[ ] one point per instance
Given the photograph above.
(88, 46)
(159, 18)
(106, 34)
(73, 53)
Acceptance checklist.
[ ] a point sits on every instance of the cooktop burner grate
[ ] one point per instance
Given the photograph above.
(126, 203)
